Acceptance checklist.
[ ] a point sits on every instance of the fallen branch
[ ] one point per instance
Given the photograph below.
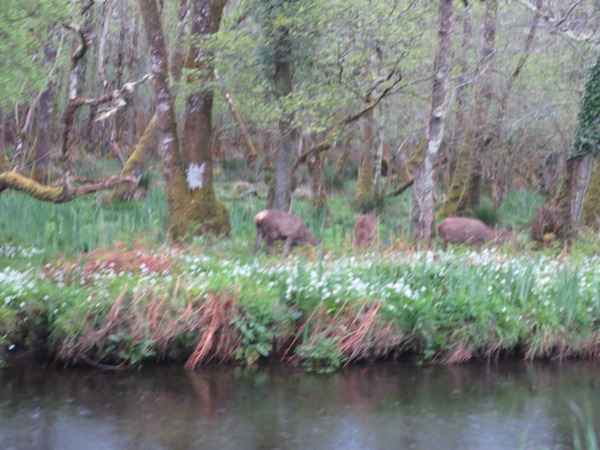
(57, 194)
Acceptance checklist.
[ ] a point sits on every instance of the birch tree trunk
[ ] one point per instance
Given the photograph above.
(148, 143)
(424, 185)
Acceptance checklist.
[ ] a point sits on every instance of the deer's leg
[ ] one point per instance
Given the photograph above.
(259, 238)
(288, 246)
(269, 244)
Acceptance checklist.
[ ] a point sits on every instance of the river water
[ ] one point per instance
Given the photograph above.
(505, 405)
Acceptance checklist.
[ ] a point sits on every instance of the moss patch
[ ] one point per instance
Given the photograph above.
(195, 212)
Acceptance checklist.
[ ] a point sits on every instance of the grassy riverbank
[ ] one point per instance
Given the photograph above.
(86, 297)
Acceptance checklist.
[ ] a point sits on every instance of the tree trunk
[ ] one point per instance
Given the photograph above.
(137, 161)
(43, 143)
(586, 146)
(591, 202)
(465, 190)
(147, 145)
(284, 159)
(583, 168)
(364, 189)
(197, 128)
(422, 212)
(340, 164)
(483, 98)
(457, 167)
(379, 159)
(278, 34)
(192, 204)
(314, 165)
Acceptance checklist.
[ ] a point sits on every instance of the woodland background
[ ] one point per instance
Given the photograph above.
(304, 96)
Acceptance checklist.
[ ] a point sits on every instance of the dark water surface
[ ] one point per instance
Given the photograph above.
(385, 406)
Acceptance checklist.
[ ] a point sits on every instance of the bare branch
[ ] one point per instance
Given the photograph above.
(402, 188)
(252, 153)
(377, 83)
(337, 126)
(557, 23)
(119, 97)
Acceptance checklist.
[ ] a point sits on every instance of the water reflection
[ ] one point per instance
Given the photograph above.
(386, 406)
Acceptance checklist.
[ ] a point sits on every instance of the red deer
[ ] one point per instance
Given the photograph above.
(461, 230)
(274, 224)
(365, 229)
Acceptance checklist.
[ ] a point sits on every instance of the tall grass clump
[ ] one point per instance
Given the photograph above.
(487, 213)
(80, 225)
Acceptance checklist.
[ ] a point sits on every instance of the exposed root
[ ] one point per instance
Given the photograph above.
(219, 339)
(459, 354)
(550, 346)
(356, 330)
(591, 348)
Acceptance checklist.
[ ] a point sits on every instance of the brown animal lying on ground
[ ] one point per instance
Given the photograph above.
(461, 230)
(274, 224)
(365, 229)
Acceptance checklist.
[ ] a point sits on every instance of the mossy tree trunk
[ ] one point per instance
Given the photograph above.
(364, 188)
(591, 202)
(457, 168)
(340, 165)
(453, 151)
(586, 146)
(453, 203)
(465, 191)
(483, 98)
(136, 163)
(192, 203)
(314, 165)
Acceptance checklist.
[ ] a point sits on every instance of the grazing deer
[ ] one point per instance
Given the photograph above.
(461, 230)
(274, 224)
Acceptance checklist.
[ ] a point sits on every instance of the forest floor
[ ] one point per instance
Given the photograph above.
(86, 283)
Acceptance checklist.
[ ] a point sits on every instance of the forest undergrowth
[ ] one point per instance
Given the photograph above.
(100, 285)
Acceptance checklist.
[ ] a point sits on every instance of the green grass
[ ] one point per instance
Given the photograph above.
(141, 296)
